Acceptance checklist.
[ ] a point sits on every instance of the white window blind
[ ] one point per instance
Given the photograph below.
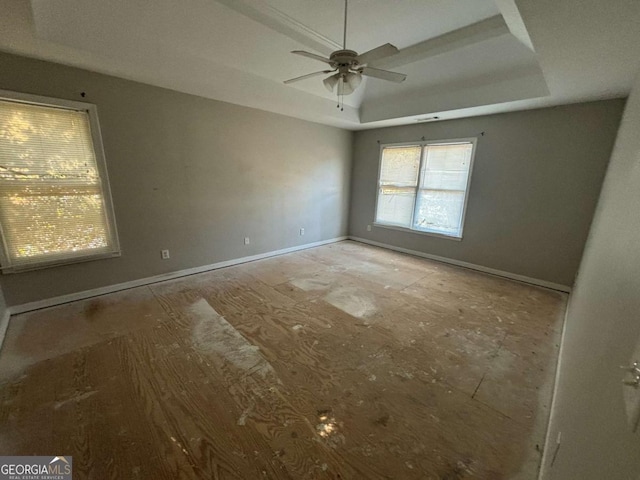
(398, 181)
(424, 186)
(53, 207)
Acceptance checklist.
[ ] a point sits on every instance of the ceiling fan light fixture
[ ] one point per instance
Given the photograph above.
(348, 82)
(353, 79)
(344, 88)
(331, 82)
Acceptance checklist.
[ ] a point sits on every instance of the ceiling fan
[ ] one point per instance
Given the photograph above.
(350, 66)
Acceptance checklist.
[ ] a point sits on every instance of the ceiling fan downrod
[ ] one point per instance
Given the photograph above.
(344, 33)
(343, 77)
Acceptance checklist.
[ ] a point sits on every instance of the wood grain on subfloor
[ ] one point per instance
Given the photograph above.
(339, 362)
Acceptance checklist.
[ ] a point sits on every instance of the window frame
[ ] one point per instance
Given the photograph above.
(101, 165)
(422, 144)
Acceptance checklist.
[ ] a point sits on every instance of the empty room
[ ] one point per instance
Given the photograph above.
(337, 239)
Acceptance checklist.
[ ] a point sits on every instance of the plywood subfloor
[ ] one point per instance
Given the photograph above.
(339, 362)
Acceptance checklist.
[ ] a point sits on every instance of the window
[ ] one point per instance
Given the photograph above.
(423, 186)
(55, 205)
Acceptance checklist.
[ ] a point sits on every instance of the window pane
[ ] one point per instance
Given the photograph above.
(439, 211)
(446, 167)
(47, 225)
(39, 142)
(395, 205)
(443, 184)
(453, 156)
(400, 166)
(399, 171)
(445, 180)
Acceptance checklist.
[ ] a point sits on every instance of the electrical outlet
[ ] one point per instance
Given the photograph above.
(164, 254)
(301, 232)
(246, 241)
(368, 228)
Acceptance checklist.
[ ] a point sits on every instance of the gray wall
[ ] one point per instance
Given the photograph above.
(535, 183)
(191, 175)
(602, 331)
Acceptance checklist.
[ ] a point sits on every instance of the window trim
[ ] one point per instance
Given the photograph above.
(422, 144)
(101, 164)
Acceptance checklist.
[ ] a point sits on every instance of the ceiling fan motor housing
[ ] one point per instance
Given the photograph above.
(344, 59)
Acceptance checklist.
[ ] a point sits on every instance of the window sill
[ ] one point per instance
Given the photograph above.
(419, 232)
(59, 263)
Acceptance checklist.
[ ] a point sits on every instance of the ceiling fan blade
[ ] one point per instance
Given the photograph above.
(377, 53)
(312, 55)
(309, 75)
(384, 74)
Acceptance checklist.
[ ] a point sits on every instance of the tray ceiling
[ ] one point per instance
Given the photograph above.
(462, 57)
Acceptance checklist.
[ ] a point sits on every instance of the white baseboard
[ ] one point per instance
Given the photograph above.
(550, 444)
(51, 302)
(72, 297)
(472, 266)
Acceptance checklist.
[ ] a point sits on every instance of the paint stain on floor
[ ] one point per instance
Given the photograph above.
(352, 300)
(212, 334)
